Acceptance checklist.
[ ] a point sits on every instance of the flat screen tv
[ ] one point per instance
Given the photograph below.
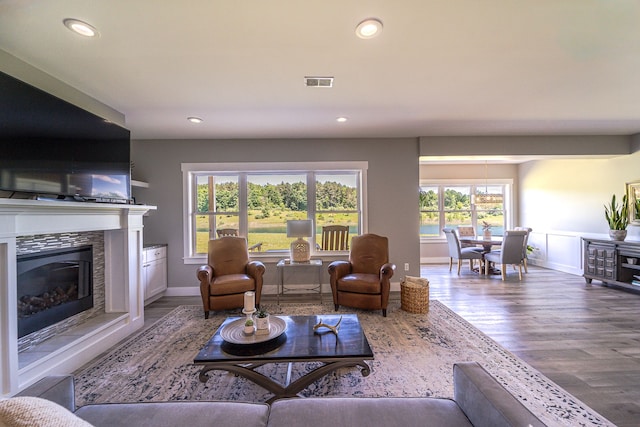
(50, 148)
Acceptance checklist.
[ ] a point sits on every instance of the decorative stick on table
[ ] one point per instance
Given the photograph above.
(332, 328)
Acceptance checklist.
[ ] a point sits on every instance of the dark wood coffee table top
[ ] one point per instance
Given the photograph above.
(298, 343)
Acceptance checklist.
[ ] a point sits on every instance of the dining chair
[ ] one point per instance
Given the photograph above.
(233, 232)
(460, 253)
(524, 246)
(334, 238)
(510, 253)
(466, 231)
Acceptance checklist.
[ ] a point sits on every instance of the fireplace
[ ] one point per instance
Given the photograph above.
(53, 285)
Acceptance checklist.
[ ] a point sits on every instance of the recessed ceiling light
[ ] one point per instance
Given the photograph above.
(80, 27)
(195, 119)
(369, 28)
(341, 119)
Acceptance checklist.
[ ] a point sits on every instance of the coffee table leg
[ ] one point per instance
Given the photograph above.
(291, 390)
(245, 370)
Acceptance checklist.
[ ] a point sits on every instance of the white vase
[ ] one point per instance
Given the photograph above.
(486, 234)
(262, 325)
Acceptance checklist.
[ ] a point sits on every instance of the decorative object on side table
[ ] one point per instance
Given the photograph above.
(486, 230)
(333, 328)
(262, 322)
(618, 218)
(300, 248)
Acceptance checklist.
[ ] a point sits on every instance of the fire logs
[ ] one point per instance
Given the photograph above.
(32, 304)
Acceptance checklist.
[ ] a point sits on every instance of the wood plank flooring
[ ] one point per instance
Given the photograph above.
(586, 338)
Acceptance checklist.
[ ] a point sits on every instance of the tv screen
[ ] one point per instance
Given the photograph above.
(50, 147)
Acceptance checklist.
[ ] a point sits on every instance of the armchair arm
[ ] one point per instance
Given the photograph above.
(387, 270)
(205, 275)
(338, 269)
(255, 268)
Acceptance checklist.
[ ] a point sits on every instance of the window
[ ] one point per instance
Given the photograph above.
(258, 200)
(450, 204)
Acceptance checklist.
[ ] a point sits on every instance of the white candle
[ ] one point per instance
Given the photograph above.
(249, 301)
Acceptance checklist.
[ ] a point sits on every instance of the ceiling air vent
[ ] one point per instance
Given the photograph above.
(318, 81)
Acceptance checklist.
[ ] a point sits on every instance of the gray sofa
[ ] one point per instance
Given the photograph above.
(479, 401)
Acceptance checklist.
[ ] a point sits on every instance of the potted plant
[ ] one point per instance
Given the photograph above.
(618, 217)
(486, 230)
(248, 327)
(262, 321)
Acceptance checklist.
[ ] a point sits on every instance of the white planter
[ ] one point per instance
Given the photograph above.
(262, 325)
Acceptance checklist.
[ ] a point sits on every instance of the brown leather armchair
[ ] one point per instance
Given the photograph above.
(363, 281)
(228, 275)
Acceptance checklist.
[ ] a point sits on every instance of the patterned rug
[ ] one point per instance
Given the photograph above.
(414, 355)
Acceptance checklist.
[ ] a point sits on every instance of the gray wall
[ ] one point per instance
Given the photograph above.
(392, 188)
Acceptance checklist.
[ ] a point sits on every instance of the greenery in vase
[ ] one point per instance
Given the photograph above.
(617, 215)
(249, 322)
(486, 226)
(262, 313)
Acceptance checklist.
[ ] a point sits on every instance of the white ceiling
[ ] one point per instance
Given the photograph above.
(454, 67)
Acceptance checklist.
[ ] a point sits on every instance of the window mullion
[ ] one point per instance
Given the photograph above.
(243, 206)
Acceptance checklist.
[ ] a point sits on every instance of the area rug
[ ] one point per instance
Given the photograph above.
(414, 356)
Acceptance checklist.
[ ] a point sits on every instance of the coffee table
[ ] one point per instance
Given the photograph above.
(297, 344)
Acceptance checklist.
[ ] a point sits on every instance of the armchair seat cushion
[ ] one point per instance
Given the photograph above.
(359, 282)
(232, 284)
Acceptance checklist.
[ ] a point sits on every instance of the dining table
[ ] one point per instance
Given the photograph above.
(487, 245)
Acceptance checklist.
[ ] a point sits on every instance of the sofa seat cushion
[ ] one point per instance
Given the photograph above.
(178, 413)
(359, 282)
(27, 411)
(367, 411)
(232, 284)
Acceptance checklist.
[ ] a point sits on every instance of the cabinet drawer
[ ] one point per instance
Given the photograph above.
(155, 253)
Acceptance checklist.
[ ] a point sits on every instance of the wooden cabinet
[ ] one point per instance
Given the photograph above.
(154, 272)
(612, 262)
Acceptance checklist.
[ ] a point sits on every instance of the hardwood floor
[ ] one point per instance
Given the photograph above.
(586, 338)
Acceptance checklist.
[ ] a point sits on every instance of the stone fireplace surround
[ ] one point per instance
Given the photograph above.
(28, 223)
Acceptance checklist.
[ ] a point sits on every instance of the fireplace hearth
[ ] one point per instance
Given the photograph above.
(53, 285)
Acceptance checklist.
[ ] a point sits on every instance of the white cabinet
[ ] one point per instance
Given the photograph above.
(154, 272)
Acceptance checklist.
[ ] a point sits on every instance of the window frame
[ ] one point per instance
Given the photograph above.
(191, 170)
(473, 183)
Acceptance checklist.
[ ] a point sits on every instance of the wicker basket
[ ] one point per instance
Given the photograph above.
(414, 295)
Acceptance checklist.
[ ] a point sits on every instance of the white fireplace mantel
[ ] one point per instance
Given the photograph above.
(124, 306)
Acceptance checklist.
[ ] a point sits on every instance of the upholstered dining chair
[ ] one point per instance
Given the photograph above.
(524, 246)
(334, 238)
(363, 280)
(459, 253)
(228, 275)
(510, 252)
(466, 231)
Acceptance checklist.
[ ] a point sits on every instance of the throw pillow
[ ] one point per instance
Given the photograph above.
(28, 411)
